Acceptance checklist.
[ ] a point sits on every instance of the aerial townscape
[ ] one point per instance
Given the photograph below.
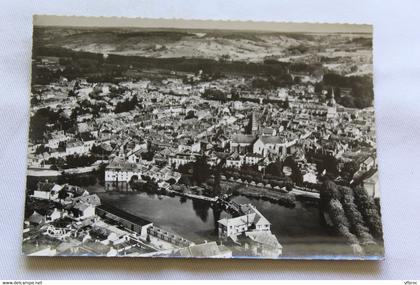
(201, 143)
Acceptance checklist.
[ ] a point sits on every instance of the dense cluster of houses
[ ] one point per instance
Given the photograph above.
(251, 230)
(172, 121)
(73, 201)
(150, 129)
(67, 220)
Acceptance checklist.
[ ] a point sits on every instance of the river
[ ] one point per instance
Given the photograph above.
(298, 230)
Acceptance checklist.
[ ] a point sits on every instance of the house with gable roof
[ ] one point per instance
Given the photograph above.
(273, 144)
(252, 219)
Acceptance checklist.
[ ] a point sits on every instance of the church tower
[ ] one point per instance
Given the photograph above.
(332, 102)
(332, 107)
(253, 126)
(254, 123)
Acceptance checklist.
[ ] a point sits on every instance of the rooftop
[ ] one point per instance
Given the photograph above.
(243, 138)
(208, 249)
(124, 215)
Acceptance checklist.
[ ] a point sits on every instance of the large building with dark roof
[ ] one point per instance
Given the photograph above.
(128, 220)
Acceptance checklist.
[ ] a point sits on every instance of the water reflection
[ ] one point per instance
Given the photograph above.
(197, 220)
(217, 213)
(183, 199)
(201, 209)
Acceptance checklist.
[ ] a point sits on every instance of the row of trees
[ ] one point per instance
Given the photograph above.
(71, 161)
(369, 210)
(48, 119)
(126, 105)
(199, 172)
(361, 89)
(273, 82)
(331, 166)
(38, 124)
(77, 179)
(355, 218)
(196, 172)
(352, 212)
(215, 94)
(257, 177)
(95, 68)
(85, 179)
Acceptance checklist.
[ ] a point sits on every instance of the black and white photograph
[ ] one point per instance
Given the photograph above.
(201, 139)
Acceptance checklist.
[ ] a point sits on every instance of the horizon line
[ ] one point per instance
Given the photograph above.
(197, 24)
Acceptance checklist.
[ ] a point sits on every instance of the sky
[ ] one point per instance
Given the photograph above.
(49, 20)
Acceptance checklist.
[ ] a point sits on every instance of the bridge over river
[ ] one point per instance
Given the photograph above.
(234, 209)
(303, 192)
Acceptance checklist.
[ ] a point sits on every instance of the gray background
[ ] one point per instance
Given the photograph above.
(397, 70)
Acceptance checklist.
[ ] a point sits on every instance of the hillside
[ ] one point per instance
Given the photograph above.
(225, 45)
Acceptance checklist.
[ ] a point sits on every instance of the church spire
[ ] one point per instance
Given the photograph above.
(332, 99)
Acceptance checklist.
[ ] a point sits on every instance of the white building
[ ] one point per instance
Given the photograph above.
(371, 185)
(273, 144)
(88, 144)
(53, 215)
(264, 243)
(195, 147)
(253, 158)
(251, 220)
(84, 210)
(367, 164)
(310, 177)
(76, 147)
(181, 159)
(206, 250)
(121, 171)
(47, 191)
(235, 160)
(56, 138)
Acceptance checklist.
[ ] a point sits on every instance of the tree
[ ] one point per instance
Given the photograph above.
(217, 189)
(328, 192)
(274, 168)
(186, 168)
(39, 121)
(261, 84)
(348, 170)
(35, 100)
(329, 164)
(171, 181)
(286, 104)
(354, 222)
(201, 170)
(296, 173)
(74, 161)
(185, 180)
(100, 173)
(41, 149)
(127, 105)
(133, 179)
(99, 151)
(354, 217)
(62, 194)
(54, 167)
(361, 87)
(235, 94)
(367, 207)
(214, 94)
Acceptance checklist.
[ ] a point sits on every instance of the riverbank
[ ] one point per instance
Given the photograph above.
(282, 198)
(298, 229)
(47, 172)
